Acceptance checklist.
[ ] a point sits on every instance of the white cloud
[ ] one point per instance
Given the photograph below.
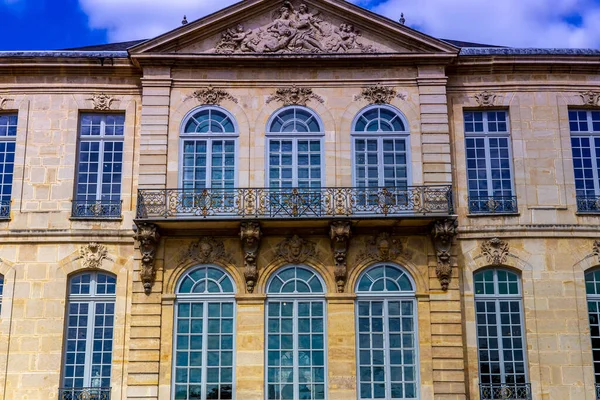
(519, 23)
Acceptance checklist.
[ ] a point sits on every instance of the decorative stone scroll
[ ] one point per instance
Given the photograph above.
(442, 234)
(3, 101)
(210, 95)
(250, 234)
(382, 247)
(294, 96)
(485, 98)
(378, 94)
(206, 250)
(340, 233)
(590, 98)
(296, 250)
(102, 101)
(91, 255)
(596, 249)
(495, 251)
(148, 237)
(293, 31)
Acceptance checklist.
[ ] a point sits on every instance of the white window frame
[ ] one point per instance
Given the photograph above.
(380, 136)
(385, 297)
(594, 297)
(592, 135)
(294, 137)
(209, 137)
(9, 139)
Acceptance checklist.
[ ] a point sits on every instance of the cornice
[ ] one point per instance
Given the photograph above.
(528, 231)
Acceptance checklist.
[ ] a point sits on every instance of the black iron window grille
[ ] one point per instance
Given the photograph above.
(84, 393)
(100, 209)
(505, 391)
(493, 204)
(588, 204)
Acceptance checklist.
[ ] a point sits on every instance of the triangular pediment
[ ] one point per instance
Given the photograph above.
(268, 27)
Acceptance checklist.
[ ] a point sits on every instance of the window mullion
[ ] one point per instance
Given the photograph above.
(204, 370)
(100, 170)
(387, 361)
(295, 356)
(380, 166)
(295, 162)
(87, 371)
(488, 166)
(595, 165)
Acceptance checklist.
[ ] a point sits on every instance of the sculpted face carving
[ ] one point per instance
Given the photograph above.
(296, 249)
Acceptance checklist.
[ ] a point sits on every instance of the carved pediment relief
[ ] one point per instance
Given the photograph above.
(296, 249)
(92, 255)
(204, 251)
(382, 247)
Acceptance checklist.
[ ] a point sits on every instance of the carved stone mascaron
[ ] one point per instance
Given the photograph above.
(205, 250)
(296, 249)
(92, 255)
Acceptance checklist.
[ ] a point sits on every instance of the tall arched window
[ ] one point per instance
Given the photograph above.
(592, 289)
(296, 367)
(500, 337)
(388, 360)
(89, 336)
(381, 148)
(295, 149)
(208, 142)
(204, 335)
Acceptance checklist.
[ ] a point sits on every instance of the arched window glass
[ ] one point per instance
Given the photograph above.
(295, 148)
(209, 141)
(89, 335)
(381, 148)
(388, 361)
(500, 337)
(203, 365)
(592, 289)
(1, 291)
(296, 367)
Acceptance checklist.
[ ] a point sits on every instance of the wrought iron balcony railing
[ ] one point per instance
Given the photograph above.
(505, 391)
(84, 393)
(4, 209)
(588, 204)
(96, 209)
(286, 203)
(493, 204)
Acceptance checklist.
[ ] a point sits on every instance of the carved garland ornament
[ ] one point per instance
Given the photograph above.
(485, 99)
(296, 250)
(596, 249)
(378, 94)
(382, 247)
(340, 233)
(590, 98)
(294, 96)
(148, 237)
(204, 251)
(210, 95)
(102, 101)
(495, 251)
(293, 31)
(442, 234)
(250, 235)
(92, 255)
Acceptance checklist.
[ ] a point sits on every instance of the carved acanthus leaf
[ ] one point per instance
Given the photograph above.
(340, 233)
(382, 247)
(596, 249)
(149, 238)
(442, 234)
(3, 101)
(590, 98)
(378, 94)
(210, 95)
(206, 250)
(296, 249)
(250, 235)
(92, 254)
(495, 251)
(102, 101)
(485, 98)
(294, 96)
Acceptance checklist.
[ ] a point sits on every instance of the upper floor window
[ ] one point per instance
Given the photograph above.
(8, 136)
(209, 142)
(388, 361)
(585, 143)
(296, 367)
(89, 336)
(204, 335)
(1, 292)
(99, 166)
(295, 149)
(500, 335)
(489, 162)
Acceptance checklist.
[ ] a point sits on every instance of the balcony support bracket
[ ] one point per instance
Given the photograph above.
(250, 235)
(442, 235)
(340, 233)
(149, 238)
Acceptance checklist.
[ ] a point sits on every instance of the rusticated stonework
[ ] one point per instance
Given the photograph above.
(148, 237)
(296, 249)
(92, 255)
(102, 101)
(294, 31)
(378, 94)
(590, 98)
(340, 233)
(250, 234)
(495, 251)
(442, 234)
(210, 95)
(205, 250)
(485, 99)
(294, 96)
(382, 247)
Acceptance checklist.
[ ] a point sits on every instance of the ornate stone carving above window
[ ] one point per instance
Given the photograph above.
(596, 249)
(206, 250)
(296, 250)
(92, 254)
(590, 98)
(250, 235)
(340, 233)
(442, 234)
(294, 96)
(495, 251)
(102, 101)
(378, 94)
(148, 237)
(294, 30)
(3, 101)
(212, 96)
(485, 98)
(382, 247)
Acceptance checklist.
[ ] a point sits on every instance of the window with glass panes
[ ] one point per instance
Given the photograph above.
(89, 331)
(8, 136)
(388, 361)
(489, 161)
(209, 141)
(1, 292)
(585, 143)
(203, 364)
(381, 148)
(500, 332)
(295, 149)
(592, 288)
(296, 354)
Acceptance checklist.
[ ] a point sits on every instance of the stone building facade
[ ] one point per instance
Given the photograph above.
(297, 201)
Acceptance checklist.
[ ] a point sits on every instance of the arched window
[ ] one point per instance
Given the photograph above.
(296, 357)
(295, 149)
(388, 360)
(500, 337)
(89, 335)
(204, 335)
(1, 292)
(381, 148)
(208, 142)
(592, 289)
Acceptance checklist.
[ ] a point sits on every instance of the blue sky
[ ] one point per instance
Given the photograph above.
(59, 24)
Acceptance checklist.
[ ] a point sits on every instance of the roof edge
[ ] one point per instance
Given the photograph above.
(65, 54)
